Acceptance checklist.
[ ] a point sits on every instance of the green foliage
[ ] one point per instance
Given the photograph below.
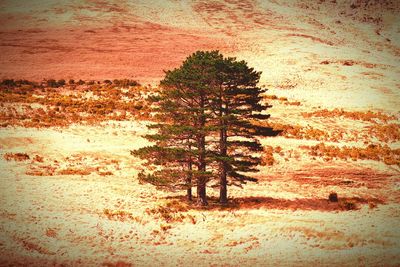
(208, 110)
(153, 179)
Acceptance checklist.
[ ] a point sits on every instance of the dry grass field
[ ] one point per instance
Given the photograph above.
(69, 191)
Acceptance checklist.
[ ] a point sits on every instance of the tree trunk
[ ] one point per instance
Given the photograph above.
(189, 175)
(201, 178)
(201, 143)
(189, 181)
(223, 191)
(201, 194)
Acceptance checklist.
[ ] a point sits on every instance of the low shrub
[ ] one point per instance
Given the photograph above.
(368, 116)
(333, 197)
(119, 215)
(170, 212)
(16, 156)
(72, 171)
(268, 156)
(371, 152)
(348, 205)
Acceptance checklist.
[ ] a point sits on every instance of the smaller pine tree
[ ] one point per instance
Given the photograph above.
(172, 155)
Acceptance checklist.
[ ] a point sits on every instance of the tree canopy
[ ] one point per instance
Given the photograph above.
(208, 112)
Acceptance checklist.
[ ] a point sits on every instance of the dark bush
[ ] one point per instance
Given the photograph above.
(348, 205)
(52, 83)
(61, 82)
(8, 83)
(333, 197)
(125, 82)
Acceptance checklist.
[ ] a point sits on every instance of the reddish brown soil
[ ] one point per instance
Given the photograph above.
(343, 177)
(123, 51)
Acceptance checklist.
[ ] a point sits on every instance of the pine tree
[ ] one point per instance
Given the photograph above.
(239, 109)
(183, 114)
(208, 113)
(172, 154)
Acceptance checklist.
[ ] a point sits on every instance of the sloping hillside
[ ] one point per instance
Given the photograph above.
(69, 191)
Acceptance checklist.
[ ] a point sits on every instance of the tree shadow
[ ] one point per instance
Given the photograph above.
(269, 203)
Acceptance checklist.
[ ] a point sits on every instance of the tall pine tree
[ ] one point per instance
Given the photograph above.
(239, 109)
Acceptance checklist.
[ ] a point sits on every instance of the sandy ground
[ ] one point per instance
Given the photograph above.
(82, 203)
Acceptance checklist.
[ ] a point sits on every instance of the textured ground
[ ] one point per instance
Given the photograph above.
(86, 216)
(78, 202)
